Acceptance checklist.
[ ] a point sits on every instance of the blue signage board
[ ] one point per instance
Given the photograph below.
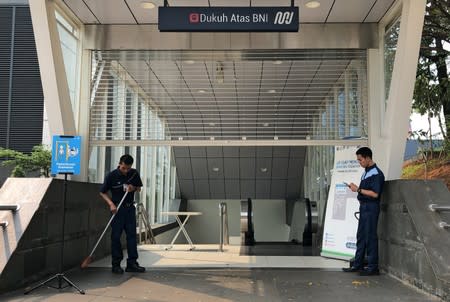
(229, 19)
(66, 154)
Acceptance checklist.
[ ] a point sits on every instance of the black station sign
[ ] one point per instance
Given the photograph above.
(229, 19)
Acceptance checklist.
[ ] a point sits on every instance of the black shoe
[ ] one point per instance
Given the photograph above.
(116, 269)
(134, 268)
(351, 269)
(367, 272)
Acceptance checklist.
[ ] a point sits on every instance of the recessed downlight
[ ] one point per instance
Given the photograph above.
(189, 61)
(271, 91)
(263, 170)
(266, 124)
(277, 62)
(147, 5)
(312, 4)
(201, 91)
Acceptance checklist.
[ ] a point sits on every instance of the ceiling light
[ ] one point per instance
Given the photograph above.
(263, 170)
(189, 61)
(211, 138)
(244, 138)
(312, 4)
(266, 124)
(271, 91)
(180, 138)
(212, 124)
(147, 4)
(201, 91)
(277, 62)
(275, 138)
(215, 169)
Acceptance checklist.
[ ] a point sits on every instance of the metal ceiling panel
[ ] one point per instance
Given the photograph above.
(280, 168)
(81, 11)
(247, 152)
(142, 15)
(350, 11)
(181, 152)
(197, 151)
(263, 168)
(232, 189)
(281, 152)
(201, 187)
(215, 168)
(214, 152)
(187, 188)
(264, 152)
(230, 152)
(230, 2)
(231, 168)
(278, 189)
(247, 168)
(111, 11)
(188, 2)
(247, 188)
(379, 10)
(217, 188)
(314, 15)
(199, 168)
(262, 188)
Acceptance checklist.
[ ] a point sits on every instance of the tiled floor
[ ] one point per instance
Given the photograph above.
(209, 256)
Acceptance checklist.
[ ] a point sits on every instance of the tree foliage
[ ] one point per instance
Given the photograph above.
(38, 160)
(432, 88)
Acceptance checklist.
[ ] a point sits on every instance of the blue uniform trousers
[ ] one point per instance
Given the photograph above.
(125, 220)
(366, 237)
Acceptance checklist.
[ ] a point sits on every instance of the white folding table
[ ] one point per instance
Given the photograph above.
(181, 224)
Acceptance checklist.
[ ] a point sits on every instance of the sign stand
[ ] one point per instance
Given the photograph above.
(65, 160)
(60, 276)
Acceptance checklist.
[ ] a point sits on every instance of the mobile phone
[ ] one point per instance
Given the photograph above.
(346, 183)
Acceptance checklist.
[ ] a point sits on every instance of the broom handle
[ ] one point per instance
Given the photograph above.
(109, 222)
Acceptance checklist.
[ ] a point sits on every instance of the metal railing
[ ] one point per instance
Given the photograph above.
(439, 208)
(10, 207)
(224, 235)
(144, 225)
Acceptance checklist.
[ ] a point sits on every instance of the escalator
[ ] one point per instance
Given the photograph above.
(251, 247)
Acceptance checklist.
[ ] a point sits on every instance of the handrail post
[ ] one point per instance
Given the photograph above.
(223, 236)
(10, 207)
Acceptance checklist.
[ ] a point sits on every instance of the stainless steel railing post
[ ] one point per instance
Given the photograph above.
(223, 236)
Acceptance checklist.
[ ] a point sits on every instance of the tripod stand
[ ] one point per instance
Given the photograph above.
(60, 276)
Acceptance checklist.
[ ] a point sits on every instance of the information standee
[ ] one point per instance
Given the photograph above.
(65, 161)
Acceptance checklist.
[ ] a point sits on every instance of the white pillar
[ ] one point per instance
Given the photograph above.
(51, 65)
(393, 128)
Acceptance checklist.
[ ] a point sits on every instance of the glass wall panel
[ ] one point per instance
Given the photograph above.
(69, 39)
(390, 48)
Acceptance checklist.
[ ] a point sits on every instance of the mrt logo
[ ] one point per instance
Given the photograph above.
(194, 18)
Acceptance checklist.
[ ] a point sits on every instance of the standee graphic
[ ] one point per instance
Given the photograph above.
(65, 160)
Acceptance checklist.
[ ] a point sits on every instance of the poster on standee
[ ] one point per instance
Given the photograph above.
(340, 225)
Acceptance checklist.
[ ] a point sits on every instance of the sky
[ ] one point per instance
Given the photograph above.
(420, 122)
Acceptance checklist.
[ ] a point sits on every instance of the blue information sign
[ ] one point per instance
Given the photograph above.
(66, 154)
(229, 19)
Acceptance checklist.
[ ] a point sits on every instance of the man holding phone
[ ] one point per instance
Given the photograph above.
(369, 192)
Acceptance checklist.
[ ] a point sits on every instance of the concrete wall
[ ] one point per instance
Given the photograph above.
(412, 245)
(38, 252)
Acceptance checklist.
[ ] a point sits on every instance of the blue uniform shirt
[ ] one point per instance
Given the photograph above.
(115, 182)
(372, 179)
